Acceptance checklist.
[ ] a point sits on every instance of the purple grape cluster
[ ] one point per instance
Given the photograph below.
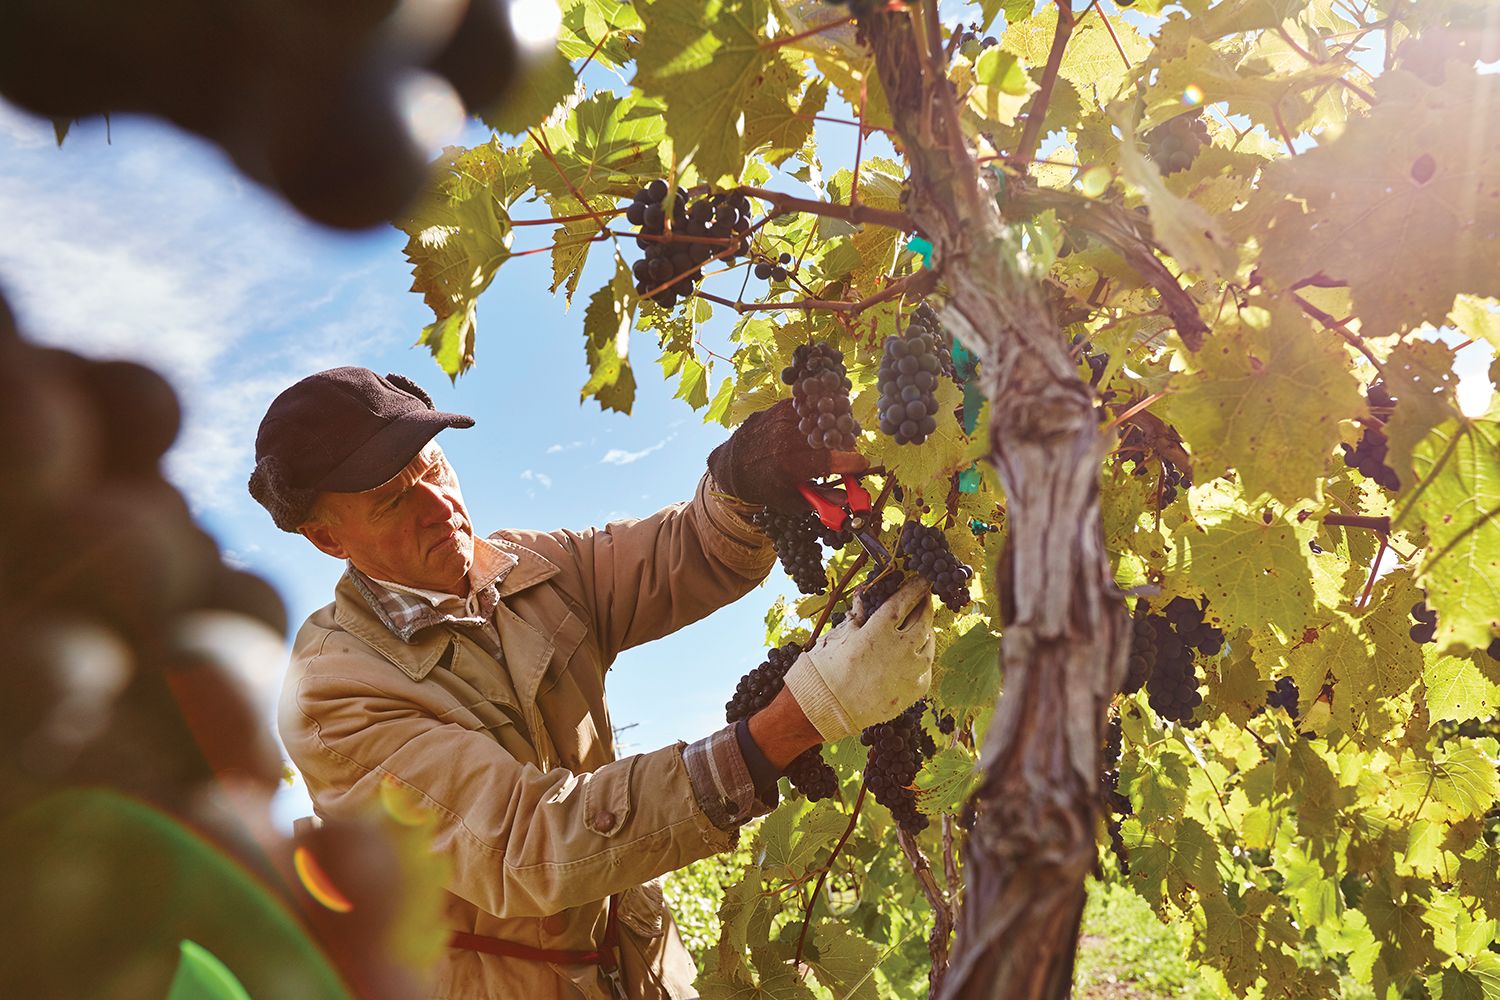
(924, 550)
(820, 393)
(1425, 630)
(1284, 696)
(809, 773)
(795, 537)
(1172, 687)
(710, 224)
(898, 749)
(877, 588)
(909, 371)
(1369, 454)
(766, 270)
(1174, 144)
(1135, 446)
(1142, 651)
(1116, 804)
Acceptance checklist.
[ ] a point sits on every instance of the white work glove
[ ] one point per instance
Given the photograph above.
(860, 674)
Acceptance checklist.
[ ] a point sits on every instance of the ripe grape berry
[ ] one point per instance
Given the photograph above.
(1174, 144)
(1368, 456)
(1284, 696)
(795, 537)
(820, 393)
(925, 322)
(924, 550)
(809, 773)
(1425, 629)
(897, 751)
(1142, 651)
(715, 223)
(1172, 686)
(774, 270)
(908, 379)
(1135, 446)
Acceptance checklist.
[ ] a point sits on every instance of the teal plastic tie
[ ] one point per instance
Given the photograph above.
(923, 248)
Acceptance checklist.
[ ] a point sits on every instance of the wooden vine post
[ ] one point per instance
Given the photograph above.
(1066, 634)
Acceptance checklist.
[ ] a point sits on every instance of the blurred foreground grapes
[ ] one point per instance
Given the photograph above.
(135, 775)
(317, 101)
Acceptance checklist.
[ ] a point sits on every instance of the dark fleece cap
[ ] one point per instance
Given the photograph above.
(345, 430)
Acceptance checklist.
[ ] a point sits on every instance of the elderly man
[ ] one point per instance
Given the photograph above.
(469, 672)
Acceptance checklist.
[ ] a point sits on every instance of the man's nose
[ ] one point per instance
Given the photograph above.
(433, 502)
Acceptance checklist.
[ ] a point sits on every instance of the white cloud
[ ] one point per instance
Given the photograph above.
(541, 478)
(619, 456)
(554, 449)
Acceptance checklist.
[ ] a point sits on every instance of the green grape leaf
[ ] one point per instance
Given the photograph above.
(1412, 173)
(777, 123)
(544, 84)
(600, 30)
(1477, 979)
(797, 837)
(1458, 781)
(571, 243)
(707, 60)
(1253, 566)
(605, 148)
(1458, 690)
(1419, 375)
(1457, 500)
(842, 960)
(1265, 399)
(1249, 938)
(969, 670)
(606, 331)
(1091, 61)
(947, 780)
(1002, 87)
(1169, 861)
(1477, 318)
(925, 467)
(1405, 938)
(742, 918)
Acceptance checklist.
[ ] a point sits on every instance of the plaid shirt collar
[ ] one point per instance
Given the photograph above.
(408, 610)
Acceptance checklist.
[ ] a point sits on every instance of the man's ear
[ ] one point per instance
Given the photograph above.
(320, 535)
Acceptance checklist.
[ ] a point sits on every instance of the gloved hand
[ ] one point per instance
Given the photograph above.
(766, 458)
(860, 674)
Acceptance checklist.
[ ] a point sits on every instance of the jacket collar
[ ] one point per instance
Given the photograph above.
(417, 657)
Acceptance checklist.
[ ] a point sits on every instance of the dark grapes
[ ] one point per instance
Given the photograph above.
(795, 537)
(924, 550)
(704, 225)
(1174, 144)
(1172, 680)
(1425, 629)
(820, 392)
(878, 588)
(1369, 454)
(909, 372)
(1284, 696)
(1117, 805)
(897, 751)
(809, 773)
(1142, 651)
(1135, 445)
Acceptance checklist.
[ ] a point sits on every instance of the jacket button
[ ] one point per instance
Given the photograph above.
(605, 821)
(555, 924)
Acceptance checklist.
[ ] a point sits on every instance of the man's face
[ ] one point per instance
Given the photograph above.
(413, 530)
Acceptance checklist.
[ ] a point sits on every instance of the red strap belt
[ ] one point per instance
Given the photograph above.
(603, 956)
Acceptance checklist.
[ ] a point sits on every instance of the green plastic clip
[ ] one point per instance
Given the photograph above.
(923, 248)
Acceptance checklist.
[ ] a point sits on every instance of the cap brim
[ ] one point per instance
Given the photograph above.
(387, 452)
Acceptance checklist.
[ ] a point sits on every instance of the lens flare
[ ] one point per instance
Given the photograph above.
(404, 804)
(1192, 95)
(316, 881)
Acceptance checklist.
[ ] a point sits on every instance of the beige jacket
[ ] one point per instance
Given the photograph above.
(540, 821)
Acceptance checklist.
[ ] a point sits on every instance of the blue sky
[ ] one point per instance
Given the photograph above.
(151, 247)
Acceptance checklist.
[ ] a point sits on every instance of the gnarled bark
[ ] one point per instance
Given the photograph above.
(1066, 636)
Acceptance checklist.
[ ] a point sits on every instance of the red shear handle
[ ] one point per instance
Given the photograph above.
(830, 512)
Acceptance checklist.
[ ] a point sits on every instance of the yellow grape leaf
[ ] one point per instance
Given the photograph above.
(1403, 205)
(1419, 375)
(1477, 318)
(1457, 499)
(776, 123)
(1265, 400)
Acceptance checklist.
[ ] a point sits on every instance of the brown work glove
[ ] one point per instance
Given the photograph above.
(767, 458)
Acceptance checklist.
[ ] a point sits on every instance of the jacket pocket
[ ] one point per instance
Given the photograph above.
(606, 798)
(643, 908)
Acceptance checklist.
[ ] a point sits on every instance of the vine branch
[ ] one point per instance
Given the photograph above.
(942, 913)
(859, 801)
(1032, 135)
(784, 202)
(1339, 327)
(921, 282)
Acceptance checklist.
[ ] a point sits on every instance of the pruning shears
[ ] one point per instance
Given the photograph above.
(850, 512)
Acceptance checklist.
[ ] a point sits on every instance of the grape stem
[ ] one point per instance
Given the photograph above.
(942, 913)
(1032, 134)
(1339, 327)
(817, 29)
(812, 900)
(921, 282)
(784, 202)
(1112, 36)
